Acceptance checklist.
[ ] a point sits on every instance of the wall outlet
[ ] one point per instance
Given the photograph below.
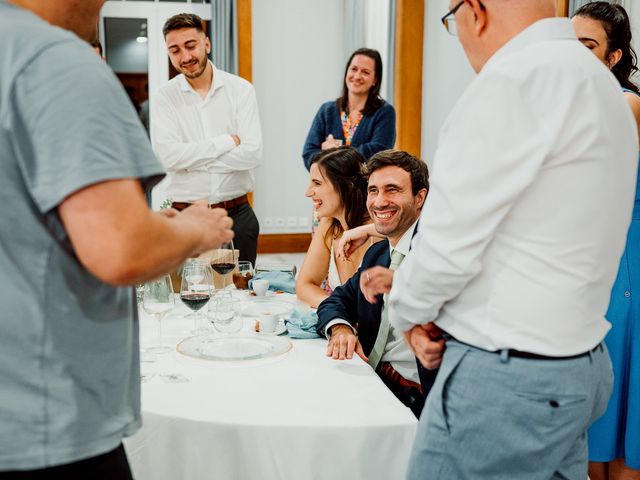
(279, 223)
(267, 222)
(304, 221)
(292, 221)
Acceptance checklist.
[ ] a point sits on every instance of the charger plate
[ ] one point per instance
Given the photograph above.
(232, 348)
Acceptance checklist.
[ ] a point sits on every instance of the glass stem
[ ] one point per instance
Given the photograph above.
(159, 331)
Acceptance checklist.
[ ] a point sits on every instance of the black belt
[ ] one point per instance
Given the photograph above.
(528, 355)
(535, 356)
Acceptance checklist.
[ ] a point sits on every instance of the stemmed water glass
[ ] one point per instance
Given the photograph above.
(157, 301)
(224, 312)
(224, 261)
(195, 289)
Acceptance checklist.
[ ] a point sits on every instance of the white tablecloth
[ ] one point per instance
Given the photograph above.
(300, 416)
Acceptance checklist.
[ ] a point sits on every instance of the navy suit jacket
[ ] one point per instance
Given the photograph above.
(348, 303)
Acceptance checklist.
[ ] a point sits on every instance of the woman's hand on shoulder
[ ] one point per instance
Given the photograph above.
(353, 239)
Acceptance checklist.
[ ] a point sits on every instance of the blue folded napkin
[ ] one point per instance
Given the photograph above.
(302, 325)
(282, 281)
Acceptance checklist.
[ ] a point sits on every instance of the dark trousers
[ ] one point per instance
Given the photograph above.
(427, 378)
(112, 465)
(246, 229)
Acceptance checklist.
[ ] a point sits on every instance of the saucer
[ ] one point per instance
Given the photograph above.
(280, 329)
(255, 309)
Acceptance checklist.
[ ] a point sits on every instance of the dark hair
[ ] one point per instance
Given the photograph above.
(416, 168)
(183, 20)
(374, 102)
(342, 167)
(615, 21)
(96, 44)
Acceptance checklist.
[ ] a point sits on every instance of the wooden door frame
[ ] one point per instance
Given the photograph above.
(563, 8)
(407, 76)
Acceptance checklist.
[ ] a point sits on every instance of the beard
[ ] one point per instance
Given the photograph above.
(202, 65)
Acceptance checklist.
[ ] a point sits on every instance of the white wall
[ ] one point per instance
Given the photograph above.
(445, 75)
(297, 65)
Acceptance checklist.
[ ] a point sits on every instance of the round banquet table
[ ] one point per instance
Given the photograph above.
(297, 416)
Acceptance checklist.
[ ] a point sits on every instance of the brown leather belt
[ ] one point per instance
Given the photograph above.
(227, 204)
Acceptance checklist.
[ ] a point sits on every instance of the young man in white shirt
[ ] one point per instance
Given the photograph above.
(206, 131)
(530, 202)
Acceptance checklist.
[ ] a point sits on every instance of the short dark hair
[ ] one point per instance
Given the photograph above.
(374, 101)
(615, 21)
(416, 168)
(183, 20)
(342, 167)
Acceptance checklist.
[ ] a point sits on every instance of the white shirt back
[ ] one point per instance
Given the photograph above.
(530, 201)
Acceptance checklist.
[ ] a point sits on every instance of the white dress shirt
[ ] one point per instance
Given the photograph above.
(396, 350)
(192, 138)
(530, 201)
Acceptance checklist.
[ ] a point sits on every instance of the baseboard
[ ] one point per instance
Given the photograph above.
(284, 243)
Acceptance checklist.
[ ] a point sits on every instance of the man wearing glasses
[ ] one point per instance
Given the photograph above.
(529, 206)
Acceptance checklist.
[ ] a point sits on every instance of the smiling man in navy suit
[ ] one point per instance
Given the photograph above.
(354, 318)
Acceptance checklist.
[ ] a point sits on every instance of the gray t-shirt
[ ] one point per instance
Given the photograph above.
(69, 366)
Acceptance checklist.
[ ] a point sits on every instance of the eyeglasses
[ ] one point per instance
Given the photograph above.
(449, 21)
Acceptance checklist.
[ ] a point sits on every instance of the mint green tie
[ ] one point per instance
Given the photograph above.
(383, 332)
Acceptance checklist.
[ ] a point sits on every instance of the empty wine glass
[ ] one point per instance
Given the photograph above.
(195, 289)
(157, 301)
(224, 312)
(224, 261)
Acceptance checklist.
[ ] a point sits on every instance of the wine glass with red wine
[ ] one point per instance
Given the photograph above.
(195, 289)
(224, 261)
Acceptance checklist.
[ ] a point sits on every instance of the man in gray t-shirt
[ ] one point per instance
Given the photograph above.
(75, 234)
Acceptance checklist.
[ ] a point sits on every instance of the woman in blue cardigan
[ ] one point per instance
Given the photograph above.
(360, 117)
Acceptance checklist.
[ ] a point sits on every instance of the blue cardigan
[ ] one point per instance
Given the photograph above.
(376, 131)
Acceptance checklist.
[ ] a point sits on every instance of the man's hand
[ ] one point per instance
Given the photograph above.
(215, 224)
(343, 343)
(375, 281)
(427, 344)
(236, 139)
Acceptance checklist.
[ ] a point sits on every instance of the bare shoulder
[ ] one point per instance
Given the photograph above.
(634, 102)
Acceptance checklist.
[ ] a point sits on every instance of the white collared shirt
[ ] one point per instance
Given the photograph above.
(192, 138)
(396, 351)
(530, 201)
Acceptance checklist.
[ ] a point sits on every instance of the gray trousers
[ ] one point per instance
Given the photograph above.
(492, 416)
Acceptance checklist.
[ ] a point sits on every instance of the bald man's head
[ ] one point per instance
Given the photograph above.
(484, 26)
